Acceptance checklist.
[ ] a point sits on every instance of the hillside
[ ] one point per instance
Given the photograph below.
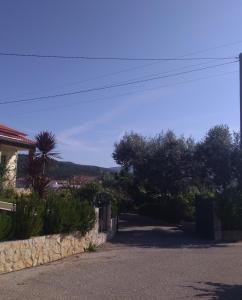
(63, 169)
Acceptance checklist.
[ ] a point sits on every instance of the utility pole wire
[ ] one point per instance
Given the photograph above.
(114, 73)
(124, 94)
(33, 55)
(142, 66)
(112, 85)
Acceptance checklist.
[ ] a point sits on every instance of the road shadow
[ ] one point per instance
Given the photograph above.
(218, 291)
(136, 231)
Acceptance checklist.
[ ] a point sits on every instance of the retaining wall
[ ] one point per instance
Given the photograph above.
(17, 255)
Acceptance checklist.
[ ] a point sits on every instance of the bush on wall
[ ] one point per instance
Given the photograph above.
(59, 212)
(28, 217)
(6, 226)
(87, 216)
(62, 214)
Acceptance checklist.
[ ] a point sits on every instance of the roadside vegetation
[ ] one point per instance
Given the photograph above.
(44, 211)
(160, 176)
(163, 175)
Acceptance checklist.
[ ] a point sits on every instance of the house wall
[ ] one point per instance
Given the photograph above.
(9, 155)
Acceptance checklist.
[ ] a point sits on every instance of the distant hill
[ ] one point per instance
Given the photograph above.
(64, 169)
(115, 169)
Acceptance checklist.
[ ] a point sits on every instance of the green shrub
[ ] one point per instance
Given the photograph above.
(62, 214)
(186, 205)
(230, 209)
(114, 208)
(171, 209)
(6, 226)
(91, 248)
(3, 170)
(89, 192)
(59, 212)
(28, 217)
(87, 217)
(8, 195)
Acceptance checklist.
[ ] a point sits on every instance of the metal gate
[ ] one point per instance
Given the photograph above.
(208, 224)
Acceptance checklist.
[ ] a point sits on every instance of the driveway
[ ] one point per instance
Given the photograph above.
(145, 261)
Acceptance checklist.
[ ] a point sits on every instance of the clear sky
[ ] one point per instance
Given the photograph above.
(87, 125)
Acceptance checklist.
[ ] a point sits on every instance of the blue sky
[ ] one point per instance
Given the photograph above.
(87, 125)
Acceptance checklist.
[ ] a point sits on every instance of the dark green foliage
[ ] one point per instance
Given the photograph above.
(45, 150)
(58, 212)
(62, 214)
(40, 185)
(100, 193)
(130, 151)
(28, 217)
(6, 226)
(214, 157)
(230, 208)
(8, 195)
(89, 192)
(228, 205)
(117, 188)
(87, 217)
(162, 175)
(39, 162)
(3, 171)
(162, 165)
(170, 209)
(114, 208)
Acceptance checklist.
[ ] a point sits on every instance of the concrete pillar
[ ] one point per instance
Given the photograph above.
(97, 219)
(109, 216)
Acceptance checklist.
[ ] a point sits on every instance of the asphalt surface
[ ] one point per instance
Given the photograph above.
(145, 261)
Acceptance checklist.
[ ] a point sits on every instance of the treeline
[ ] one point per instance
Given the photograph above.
(164, 174)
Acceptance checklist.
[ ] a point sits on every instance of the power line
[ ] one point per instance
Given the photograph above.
(33, 55)
(118, 72)
(168, 71)
(115, 73)
(113, 85)
(131, 93)
(147, 65)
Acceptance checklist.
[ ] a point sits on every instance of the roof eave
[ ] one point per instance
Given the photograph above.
(17, 143)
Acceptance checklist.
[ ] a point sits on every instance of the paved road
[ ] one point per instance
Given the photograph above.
(145, 261)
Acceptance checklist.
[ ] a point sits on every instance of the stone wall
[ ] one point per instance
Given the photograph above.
(17, 255)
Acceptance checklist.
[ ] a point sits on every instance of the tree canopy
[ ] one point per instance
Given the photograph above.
(166, 167)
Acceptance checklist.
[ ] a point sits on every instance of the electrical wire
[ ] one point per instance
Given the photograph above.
(33, 55)
(126, 94)
(112, 85)
(144, 66)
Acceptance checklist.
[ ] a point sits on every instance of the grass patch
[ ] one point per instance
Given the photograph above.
(91, 248)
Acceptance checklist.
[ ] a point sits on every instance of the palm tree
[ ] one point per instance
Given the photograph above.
(45, 146)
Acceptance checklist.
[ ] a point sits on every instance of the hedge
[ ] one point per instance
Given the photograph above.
(57, 213)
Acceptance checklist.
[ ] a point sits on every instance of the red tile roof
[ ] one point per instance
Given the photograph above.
(6, 129)
(14, 135)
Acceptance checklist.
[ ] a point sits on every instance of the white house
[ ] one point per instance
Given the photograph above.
(12, 141)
